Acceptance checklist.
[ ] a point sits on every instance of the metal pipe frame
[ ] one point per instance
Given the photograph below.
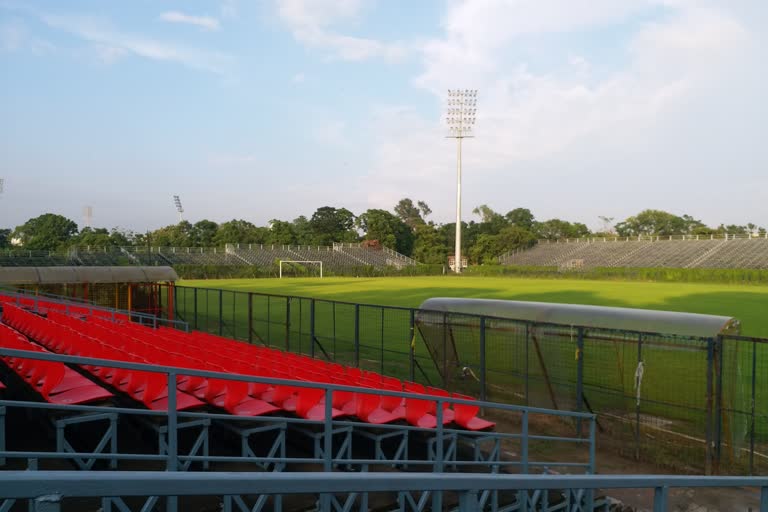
(52, 486)
(322, 436)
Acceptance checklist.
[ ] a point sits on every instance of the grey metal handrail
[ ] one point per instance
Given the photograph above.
(328, 424)
(49, 487)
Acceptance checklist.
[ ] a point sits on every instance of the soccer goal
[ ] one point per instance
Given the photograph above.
(300, 268)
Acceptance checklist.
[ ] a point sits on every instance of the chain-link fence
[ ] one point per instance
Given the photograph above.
(685, 403)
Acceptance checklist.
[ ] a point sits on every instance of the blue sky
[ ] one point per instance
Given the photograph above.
(270, 109)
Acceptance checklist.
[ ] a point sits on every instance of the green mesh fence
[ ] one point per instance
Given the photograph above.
(692, 404)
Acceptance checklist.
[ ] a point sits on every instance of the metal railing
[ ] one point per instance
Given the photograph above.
(654, 238)
(48, 489)
(329, 425)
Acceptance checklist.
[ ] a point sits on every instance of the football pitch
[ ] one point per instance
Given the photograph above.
(748, 303)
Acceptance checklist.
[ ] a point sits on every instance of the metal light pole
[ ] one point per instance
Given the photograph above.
(177, 203)
(462, 107)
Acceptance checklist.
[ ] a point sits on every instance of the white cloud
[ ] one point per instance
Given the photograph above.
(310, 20)
(204, 22)
(102, 35)
(228, 9)
(569, 142)
(109, 54)
(15, 36)
(298, 78)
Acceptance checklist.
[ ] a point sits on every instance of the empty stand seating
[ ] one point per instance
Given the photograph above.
(55, 382)
(669, 252)
(102, 338)
(339, 256)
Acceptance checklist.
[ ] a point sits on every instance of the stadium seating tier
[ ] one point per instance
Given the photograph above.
(748, 253)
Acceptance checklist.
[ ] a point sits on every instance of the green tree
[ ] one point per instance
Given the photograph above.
(554, 229)
(203, 233)
(431, 245)
(412, 214)
(281, 233)
(388, 229)
(303, 231)
(653, 222)
(94, 237)
(175, 235)
(331, 225)
(491, 222)
(5, 238)
(238, 231)
(521, 217)
(488, 247)
(47, 232)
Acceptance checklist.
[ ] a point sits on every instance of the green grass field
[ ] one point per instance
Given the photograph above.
(748, 303)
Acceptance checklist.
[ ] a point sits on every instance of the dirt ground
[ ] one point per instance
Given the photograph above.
(609, 460)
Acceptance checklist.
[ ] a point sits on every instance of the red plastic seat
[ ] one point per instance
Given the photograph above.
(466, 415)
(368, 409)
(235, 400)
(416, 413)
(448, 414)
(310, 404)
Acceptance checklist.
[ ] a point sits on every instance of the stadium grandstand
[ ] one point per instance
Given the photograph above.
(336, 257)
(169, 399)
(684, 251)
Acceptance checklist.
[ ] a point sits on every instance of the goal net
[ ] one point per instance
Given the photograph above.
(301, 268)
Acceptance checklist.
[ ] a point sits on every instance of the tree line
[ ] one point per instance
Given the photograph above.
(406, 229)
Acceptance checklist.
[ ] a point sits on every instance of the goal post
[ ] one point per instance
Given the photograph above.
(300, 262)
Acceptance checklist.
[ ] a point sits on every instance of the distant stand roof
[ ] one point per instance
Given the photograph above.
(604, 317)
(76, 275)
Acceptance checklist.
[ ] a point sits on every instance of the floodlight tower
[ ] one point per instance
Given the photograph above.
(462, 107)
(88, 215)
(179, 208)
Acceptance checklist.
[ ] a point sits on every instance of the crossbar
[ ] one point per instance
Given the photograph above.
(31, 484)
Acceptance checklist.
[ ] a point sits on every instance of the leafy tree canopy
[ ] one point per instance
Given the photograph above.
(48, 232)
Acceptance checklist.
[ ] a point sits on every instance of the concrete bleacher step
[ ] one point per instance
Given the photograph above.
(706, 255)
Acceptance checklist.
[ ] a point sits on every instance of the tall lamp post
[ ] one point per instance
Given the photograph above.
(179, 208)
(462, 107)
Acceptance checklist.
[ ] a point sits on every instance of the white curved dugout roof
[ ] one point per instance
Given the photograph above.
(604, 317)
(76, 275)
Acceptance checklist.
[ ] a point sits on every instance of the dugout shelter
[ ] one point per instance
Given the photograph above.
(127, 288)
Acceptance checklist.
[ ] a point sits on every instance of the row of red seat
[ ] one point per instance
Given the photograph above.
(52, 305)
(100, 338)
(238, 357)
(149, 388)
(55, 382)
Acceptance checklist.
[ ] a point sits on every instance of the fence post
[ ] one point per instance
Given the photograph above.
(719, 357)
(173, 442)
(637, 397)
(444, 371)
(752, 410)
(250, 317)
(412, 347)
(288, 324)
(312, 328)
(381, 337)
(195, 308)
(522, 495)
(527, 365)
(221, 312)
(709, 412)
(482, 360)
(357, 335)
(579, 376)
